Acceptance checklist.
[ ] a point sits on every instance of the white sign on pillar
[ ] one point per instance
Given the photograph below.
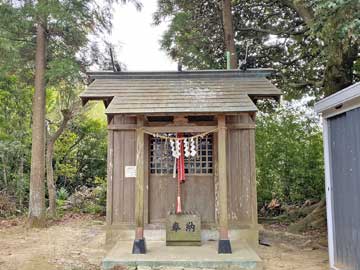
(130, 171)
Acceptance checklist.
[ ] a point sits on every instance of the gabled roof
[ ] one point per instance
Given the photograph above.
(344, 100)
(176, 92)
(198, 101)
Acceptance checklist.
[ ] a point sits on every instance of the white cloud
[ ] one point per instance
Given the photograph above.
(136, 40)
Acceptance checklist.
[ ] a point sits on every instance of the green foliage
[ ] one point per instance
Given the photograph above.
(92, 207)
(7, 205)
(301, 48)
(340, 17)
(100, 192)
(194, 36)
(289, 155)
(15, 105)
(62, 194)
(15, 140)
(194, 42)
(80, 154)
(313, 47)
(87, 200)
(69, 25)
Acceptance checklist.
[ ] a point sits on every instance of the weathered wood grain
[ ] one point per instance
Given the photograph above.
(110, 173)
(146, 178)
(124, 151)
(216, 178)
(197, 196)
(139, 185)
(241, 169)
(180, 129)
(170, 94)
(122, 127)
(253, 177)
(223, 196)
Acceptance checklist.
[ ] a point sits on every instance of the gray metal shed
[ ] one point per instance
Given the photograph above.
(341, 130)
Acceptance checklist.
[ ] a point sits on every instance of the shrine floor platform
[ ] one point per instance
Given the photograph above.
(205, 256)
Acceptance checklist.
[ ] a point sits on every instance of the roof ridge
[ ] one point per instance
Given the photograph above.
(263, 72)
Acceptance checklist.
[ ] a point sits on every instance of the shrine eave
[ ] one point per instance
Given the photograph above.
(205, 91)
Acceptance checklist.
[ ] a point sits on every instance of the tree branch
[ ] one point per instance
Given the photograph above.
(67, 115)
(302, 9)
(272, 31)
(17, 39)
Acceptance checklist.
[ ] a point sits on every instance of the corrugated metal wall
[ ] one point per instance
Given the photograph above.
(344, 131)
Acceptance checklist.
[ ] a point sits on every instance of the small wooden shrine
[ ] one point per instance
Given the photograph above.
(181, 141)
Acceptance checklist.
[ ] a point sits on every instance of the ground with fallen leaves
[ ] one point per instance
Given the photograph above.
(76, 242)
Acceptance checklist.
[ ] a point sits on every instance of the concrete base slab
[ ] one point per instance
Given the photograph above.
(205, 256)
(250, 235)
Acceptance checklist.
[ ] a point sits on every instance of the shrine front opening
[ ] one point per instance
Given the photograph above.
(197, 192)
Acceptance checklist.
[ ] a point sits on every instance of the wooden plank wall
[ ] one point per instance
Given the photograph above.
(124, 154)
(241, 170)
(197, 194)
(242, 206)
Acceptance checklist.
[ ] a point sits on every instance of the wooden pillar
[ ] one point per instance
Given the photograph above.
(110, 175)
(254, 214)
(224, 242)
(139, 242)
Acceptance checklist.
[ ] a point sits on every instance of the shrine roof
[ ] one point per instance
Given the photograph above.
(206, 91)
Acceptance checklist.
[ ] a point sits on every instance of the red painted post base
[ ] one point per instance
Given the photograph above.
(139, 233)
(223, 233)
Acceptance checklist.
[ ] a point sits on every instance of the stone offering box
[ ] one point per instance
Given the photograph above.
(183, 230)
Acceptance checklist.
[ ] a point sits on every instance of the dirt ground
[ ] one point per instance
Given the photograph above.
(76, 242)
(293, 252)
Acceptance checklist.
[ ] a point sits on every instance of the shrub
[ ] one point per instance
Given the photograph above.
(62, 194)
(289, 156)
(7, 205)
(88, 200)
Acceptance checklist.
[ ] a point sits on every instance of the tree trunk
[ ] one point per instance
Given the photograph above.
(338, 72)
(50, 178)
(229, 36)
(339, 68)
(37, 187)
(4, 171)
(20, 183)
(304, 10)
(51, 185)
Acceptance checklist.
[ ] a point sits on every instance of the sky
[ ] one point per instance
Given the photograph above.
(136, 40)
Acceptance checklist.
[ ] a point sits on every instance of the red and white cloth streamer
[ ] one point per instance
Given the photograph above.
(181, 173)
